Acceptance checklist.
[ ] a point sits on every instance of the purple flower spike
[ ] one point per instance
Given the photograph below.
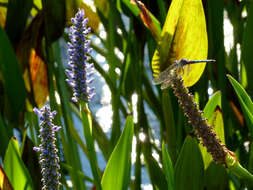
(80, 71)
(48, 152)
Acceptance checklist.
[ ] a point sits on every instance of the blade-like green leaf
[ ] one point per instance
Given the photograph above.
(14, 83)
(4, 136)
(247, 44)
(155, 172)
(15, 169)
(17, 14)
(168, 168)
(219, 176)
(183, 36)
(87, 130)
(212, 104)
(245, 102)
(55, 18)
(189, 169)
(169, 125)
(247, 108)
(117, 172)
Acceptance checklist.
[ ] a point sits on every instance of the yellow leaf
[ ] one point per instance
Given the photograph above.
(216, 121)
(38, 77)
(71, 9)
(4, 181)
(103, 6)
(183, 36)
(38, 71)
(3, 12)
(92, 16)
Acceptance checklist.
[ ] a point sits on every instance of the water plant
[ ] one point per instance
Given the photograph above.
(148, 137)
(49, 159)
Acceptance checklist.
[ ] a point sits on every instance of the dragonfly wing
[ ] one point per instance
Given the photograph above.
(165, 85)
(162, 77)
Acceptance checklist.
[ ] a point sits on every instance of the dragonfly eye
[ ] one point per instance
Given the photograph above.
(183, 61)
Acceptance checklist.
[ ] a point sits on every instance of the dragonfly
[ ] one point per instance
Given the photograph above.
(164, 77)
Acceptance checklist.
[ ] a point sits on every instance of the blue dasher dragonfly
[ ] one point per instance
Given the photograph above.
(164, 77)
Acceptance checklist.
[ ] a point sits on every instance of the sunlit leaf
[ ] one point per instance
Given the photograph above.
(211, 105)
(71, 9)
(117, 171)
(92, 16)
(38, 72)
(245, 102)
(183, 36)
(4, 181)
(3, 12)
(15, 169)
(38, 5)
(189, 169)
(38, 76)
(103, 6)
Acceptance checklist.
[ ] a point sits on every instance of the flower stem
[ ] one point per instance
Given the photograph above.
(87, 129)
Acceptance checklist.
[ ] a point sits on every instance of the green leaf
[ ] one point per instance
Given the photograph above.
(245, 102)
(133, 8)
(117, 171)
(55, 18)
(15, 169)
(14, 83)
(169, 125)
(219, 177)
(103, 6)
(87, 129)
(129, 73)
(16, 20)
(189, 169)
(155, 172)
(119, 6)
(4, 136)
(183, 36)
(247, 55)
(212, 104)
(168, 167)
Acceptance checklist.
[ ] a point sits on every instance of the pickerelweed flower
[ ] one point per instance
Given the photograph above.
(170, 78)
(80, 71)
(49, 160)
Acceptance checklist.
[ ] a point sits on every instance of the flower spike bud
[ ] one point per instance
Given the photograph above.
(80, 71)
(49, 160)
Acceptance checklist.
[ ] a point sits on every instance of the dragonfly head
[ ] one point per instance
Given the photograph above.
(183, 62)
